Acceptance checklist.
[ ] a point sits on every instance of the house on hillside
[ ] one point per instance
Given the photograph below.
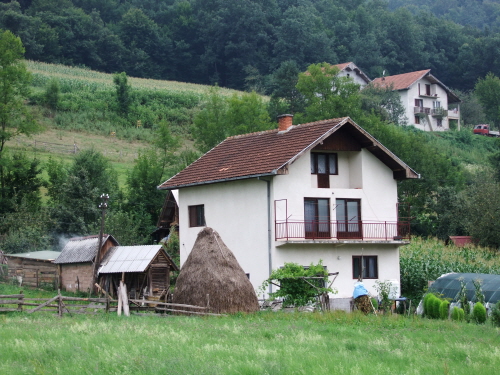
(325, 190)
(76, 261)
(352, 71)
(146, 270)
(428, 102)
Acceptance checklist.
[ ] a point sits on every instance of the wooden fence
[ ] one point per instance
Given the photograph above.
(73, 305)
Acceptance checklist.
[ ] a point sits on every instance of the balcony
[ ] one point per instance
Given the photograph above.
(454, 113)
(423, 110)
(439, 112)
(342, 231)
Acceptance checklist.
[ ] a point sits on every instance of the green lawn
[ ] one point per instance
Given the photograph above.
(262, 343)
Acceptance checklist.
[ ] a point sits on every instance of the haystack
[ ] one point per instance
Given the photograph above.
(212, 269)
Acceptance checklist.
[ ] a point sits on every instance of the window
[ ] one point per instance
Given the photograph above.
(419, 103)
(417, 120)
(439, 122)
(369, 266)
(348, 213)
(197, 215)
(323, 165)
(317, 217)
(436, 104)
(428, 90)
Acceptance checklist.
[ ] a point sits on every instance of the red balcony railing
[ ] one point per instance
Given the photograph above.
(341, 230)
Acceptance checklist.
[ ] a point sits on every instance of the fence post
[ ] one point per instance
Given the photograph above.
(59, 303)
(20, 302)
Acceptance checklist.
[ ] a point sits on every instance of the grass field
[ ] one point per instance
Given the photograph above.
(262, 343)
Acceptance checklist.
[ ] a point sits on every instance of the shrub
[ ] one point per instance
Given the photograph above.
(443, 309)
(479, 313)
(435, 307)
(457, 314)
(495, 314)
(427, 298)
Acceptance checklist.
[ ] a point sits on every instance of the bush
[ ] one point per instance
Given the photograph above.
(435, 307)
(443, 309)
(495, 314)
(457, 314)
(427, 298)
(479, 313)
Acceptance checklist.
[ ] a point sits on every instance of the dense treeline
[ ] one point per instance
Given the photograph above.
(239, 44)
(482, 14)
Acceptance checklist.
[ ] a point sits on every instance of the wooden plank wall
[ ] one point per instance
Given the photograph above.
(32, 272)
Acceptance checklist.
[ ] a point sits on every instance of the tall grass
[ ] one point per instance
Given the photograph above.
(261, 343)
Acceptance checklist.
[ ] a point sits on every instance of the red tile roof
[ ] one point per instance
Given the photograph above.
(270, 152)
(401, 81)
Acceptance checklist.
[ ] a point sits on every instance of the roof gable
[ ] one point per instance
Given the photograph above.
(351, 67)
(82, 249)
(271, 152)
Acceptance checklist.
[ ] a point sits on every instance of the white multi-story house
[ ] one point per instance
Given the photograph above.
(325, 190)
(426, 99)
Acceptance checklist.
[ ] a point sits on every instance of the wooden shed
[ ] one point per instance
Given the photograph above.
(76, 262)
(145, 269)
(34, 269)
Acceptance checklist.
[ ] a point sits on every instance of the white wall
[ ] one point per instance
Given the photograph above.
(408, 99)
(354, 76)
(338, 258)
(237, 210)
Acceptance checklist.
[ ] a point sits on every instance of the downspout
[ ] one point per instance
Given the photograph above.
(269, 230)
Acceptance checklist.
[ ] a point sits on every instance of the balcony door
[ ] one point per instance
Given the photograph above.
(349, 218)
(317, 217)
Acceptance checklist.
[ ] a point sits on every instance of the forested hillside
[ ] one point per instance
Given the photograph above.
(482, 14)
(238, 44)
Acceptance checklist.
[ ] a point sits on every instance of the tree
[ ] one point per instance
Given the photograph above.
(385, 102)
(123, 95)
(208, 129)
(221, 118)
(488, 92)
(284, 90)
(51, 95)
(327, 95)
(75, 192)
(14, 80)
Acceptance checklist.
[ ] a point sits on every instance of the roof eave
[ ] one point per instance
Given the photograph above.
(172, 187)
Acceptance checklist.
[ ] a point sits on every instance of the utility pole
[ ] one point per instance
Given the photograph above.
(97, 261)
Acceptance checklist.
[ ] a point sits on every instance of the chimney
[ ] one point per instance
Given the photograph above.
(284, 122)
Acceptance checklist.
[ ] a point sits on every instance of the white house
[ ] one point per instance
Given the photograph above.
(352, 71)
(325, 190)
(426, 99)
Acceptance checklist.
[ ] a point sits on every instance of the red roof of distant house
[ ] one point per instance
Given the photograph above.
(270, 152)
(401, 81)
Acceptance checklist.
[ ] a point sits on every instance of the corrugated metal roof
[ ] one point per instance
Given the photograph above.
(40, 255)
(128, 258)
(81, 249)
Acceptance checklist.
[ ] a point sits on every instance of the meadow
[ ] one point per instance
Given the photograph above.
(261, 343)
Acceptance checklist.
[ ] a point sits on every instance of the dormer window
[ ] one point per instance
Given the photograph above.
(323, 165)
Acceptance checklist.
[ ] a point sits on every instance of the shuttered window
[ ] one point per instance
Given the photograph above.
(197, 215)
